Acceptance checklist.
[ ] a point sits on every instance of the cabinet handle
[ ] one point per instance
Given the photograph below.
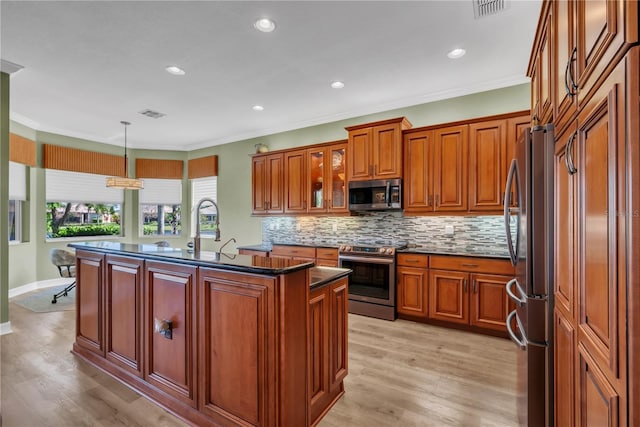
(437, 200)
(412, 260)
(473, 285)
(304, 204)
(375, 169)
(469, 265)
(163, 327)
(570, 85)
(568, 154)
(429, 200)
(464, 285)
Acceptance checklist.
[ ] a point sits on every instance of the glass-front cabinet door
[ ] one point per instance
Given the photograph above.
(327, 191)
(338, 197)
(317, 196)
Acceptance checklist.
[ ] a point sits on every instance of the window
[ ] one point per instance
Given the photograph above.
(201, 188)
(160, 207)
(80, 204)
(17, 194)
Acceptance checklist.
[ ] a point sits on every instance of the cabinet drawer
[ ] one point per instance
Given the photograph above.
(327, 253)
(252, 252)
(413, 260)
(480, 265)
(293, 251)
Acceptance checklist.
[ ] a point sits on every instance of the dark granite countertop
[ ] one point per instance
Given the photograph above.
(241, 263)
(319, 276)
(458, 251)
(263, 248)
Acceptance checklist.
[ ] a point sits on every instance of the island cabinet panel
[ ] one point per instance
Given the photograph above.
(123, 314)
(171, 360)
(327, 339)
(90, 301)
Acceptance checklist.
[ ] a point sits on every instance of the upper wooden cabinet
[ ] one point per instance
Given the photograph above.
(540, 70)
(375, 150)
(326, 171)
(295, 181)
(487, 142)
(267, 184)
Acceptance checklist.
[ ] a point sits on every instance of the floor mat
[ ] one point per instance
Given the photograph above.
(40, 300)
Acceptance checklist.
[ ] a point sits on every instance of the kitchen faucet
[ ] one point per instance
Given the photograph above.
(196, 239)
(226, 243)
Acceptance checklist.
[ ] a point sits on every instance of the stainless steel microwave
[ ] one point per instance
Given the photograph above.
(375, 195)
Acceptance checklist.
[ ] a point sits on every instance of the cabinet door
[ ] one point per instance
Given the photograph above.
(316, 190)
(338, 340)
(387, 151)
(170, 362)
(274, 179)
(418, 168)
(599, 403)
(564, 371)
(90, 295)
(564, 242)
(319, 365)
(412, 291)
(360, 155)
(259, 183)
(295, 181)
(489, 301)
(544, 64)
(448, 296)
(124, 295)
(336, 186)
(487, 140)
(564, 72)
(600, 147)
(236, 332)
(450, 168)
(516, 126)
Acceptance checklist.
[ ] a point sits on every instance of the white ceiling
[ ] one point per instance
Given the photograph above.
(90, 64)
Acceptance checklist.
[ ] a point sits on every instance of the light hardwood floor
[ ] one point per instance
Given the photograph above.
(400, 374)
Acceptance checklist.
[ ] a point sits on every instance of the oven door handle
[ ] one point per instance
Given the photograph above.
(370, 260)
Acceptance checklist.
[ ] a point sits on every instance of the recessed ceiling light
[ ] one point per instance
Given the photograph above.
(177, 71)
(337, 85)
(456, 53)
(257, 108)
(265, 25)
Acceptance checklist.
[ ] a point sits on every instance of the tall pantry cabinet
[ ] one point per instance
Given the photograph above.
(590, 50)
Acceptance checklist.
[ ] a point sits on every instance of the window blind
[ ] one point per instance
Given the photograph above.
(161, 192)
(200, 188)
(79, 187)
(17, 181)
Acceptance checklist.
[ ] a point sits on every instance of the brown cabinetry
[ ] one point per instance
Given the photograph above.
(123, 312)
(90, 295)
(327, 346)
(305, 253)
(170, 362)
(487, 145)
(327, 191)
(540, 70)
(327, 257)
(469, 291)
(267, 184)
(295, 182)
(412, 285)
(375, 150)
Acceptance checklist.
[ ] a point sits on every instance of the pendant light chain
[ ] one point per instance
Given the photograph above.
(126, 172)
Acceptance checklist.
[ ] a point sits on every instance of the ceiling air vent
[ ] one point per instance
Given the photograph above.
(152, 114)
(482, 8)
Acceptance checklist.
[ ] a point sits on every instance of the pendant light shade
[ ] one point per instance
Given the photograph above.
(124, 182)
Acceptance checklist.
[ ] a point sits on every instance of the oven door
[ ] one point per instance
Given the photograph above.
(372, 279)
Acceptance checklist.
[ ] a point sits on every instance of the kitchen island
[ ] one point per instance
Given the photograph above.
(217, 339)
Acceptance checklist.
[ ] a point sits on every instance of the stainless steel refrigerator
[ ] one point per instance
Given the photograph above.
(528, 216)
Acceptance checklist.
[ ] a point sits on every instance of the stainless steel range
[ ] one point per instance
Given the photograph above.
(372, 288)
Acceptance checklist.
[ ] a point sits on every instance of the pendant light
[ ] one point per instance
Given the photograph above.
(124, 182)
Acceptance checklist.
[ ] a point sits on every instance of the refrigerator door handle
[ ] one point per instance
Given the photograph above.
(513, 252)
(520, 301)
(520, 342)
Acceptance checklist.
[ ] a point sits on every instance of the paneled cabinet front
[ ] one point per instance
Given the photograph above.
(326, 170)
(90, 295)
(267, 184)
(170, 303)
(124, 305)
(295, 181)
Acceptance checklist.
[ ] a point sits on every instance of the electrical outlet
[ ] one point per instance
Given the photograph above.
(448, 230)
(277, 226)
(298, 226)
(272, 226)
(334, 227)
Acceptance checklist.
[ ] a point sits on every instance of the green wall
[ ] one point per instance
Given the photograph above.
(234, 176)
(4, 197)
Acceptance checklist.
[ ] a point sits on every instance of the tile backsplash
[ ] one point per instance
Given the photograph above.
(475, 234)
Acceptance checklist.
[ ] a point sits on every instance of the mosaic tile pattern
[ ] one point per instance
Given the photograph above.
(472, 235)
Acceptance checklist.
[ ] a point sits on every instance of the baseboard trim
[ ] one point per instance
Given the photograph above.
(42, 284)
(5, 328)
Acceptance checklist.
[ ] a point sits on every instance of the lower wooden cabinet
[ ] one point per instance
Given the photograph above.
(411, 295)
(327, 346)
(90, 297)
(489, 304)
(448, 297)
(124, 286)
(564, 372)
(171, 360)
(599, 403)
